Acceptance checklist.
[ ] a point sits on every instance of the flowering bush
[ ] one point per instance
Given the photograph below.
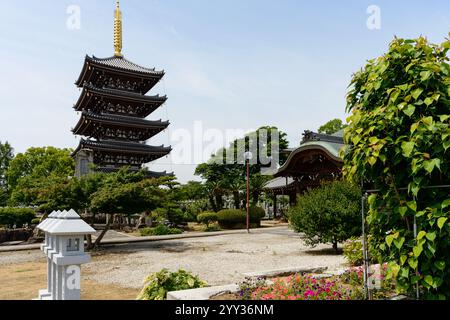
(301, 287)
(348, 286)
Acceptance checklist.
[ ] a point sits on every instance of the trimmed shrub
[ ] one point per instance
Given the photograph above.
(160, 230)
(16, 216)
(256, 214)
(328, 214)
(207, 217)
(159, 283)
(230, 216)
(235, 218)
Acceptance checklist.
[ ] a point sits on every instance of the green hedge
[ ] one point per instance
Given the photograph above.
(230, 218)
(16, 216)
(207, 218)
(256, 214)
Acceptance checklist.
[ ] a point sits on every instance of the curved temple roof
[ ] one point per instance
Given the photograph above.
(116, 65)
(126, 147)
(118, 121)
(329, 144)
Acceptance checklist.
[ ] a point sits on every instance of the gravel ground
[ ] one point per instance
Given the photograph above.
(218, 259)
(7, 258)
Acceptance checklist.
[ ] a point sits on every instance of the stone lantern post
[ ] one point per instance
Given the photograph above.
(64, 248)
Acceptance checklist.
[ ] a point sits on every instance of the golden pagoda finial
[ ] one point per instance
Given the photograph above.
(118, 31)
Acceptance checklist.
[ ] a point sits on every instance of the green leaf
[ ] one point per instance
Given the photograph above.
(441, 222)
(428, 279)
(421, 235)
(416, 93)
(431, 236)
(409, 110)
(445, 204)
(427, 120)
(425, 75)
(389, 239)
(431, 164)
(403, 259)
(412, 205)
(399, 242)
(440, 265)
(404, 272)
(446, 144)
(428, 101)
(417, 250)
(372, 161)
(407, 148)
(412, 263)
(402, 211)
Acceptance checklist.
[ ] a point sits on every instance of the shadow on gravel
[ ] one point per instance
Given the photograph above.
(126, 248)
(323, 252)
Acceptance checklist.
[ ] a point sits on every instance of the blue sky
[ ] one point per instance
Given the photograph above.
(235, 64)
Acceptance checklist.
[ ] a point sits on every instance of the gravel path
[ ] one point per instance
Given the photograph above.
(217, 260)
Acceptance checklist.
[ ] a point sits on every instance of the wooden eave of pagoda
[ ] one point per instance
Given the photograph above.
(89, 120)
(125, 148)
(90, 92)
(118, 66)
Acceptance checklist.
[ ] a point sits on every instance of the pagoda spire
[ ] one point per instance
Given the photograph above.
(118, 31)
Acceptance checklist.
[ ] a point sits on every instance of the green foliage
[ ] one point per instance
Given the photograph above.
(6, 155)
(128, 196)
(353, 252)
(229, 216)
(40, 162)
(36, 221)
(159, 283)
(400, 136)
(225, 172)
(207, 218)
(332, 126)
(328, 214)
(160, 230)
(256, 213)
(213, 228)
(16, 216)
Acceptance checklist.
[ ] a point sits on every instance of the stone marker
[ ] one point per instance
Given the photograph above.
(64, 248)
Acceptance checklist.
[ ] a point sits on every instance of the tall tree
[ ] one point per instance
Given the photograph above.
(225, 172)
(6, 155)
(332, 126)
(37, 166)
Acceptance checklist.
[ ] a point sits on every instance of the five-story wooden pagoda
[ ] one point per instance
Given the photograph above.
(113, 105)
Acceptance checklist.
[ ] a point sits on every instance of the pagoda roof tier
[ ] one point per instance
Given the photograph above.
(125, 148)
(105, 126)
(119, 68)
(117, 101)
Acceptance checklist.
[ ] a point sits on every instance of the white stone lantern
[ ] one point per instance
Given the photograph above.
(64, 248)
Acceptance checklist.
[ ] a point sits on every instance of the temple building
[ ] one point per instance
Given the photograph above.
(316, 160)
(114, 106)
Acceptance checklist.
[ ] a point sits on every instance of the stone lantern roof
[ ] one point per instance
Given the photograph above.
(65, 223)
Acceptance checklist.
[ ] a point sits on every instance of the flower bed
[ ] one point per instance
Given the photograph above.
(347, 286)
